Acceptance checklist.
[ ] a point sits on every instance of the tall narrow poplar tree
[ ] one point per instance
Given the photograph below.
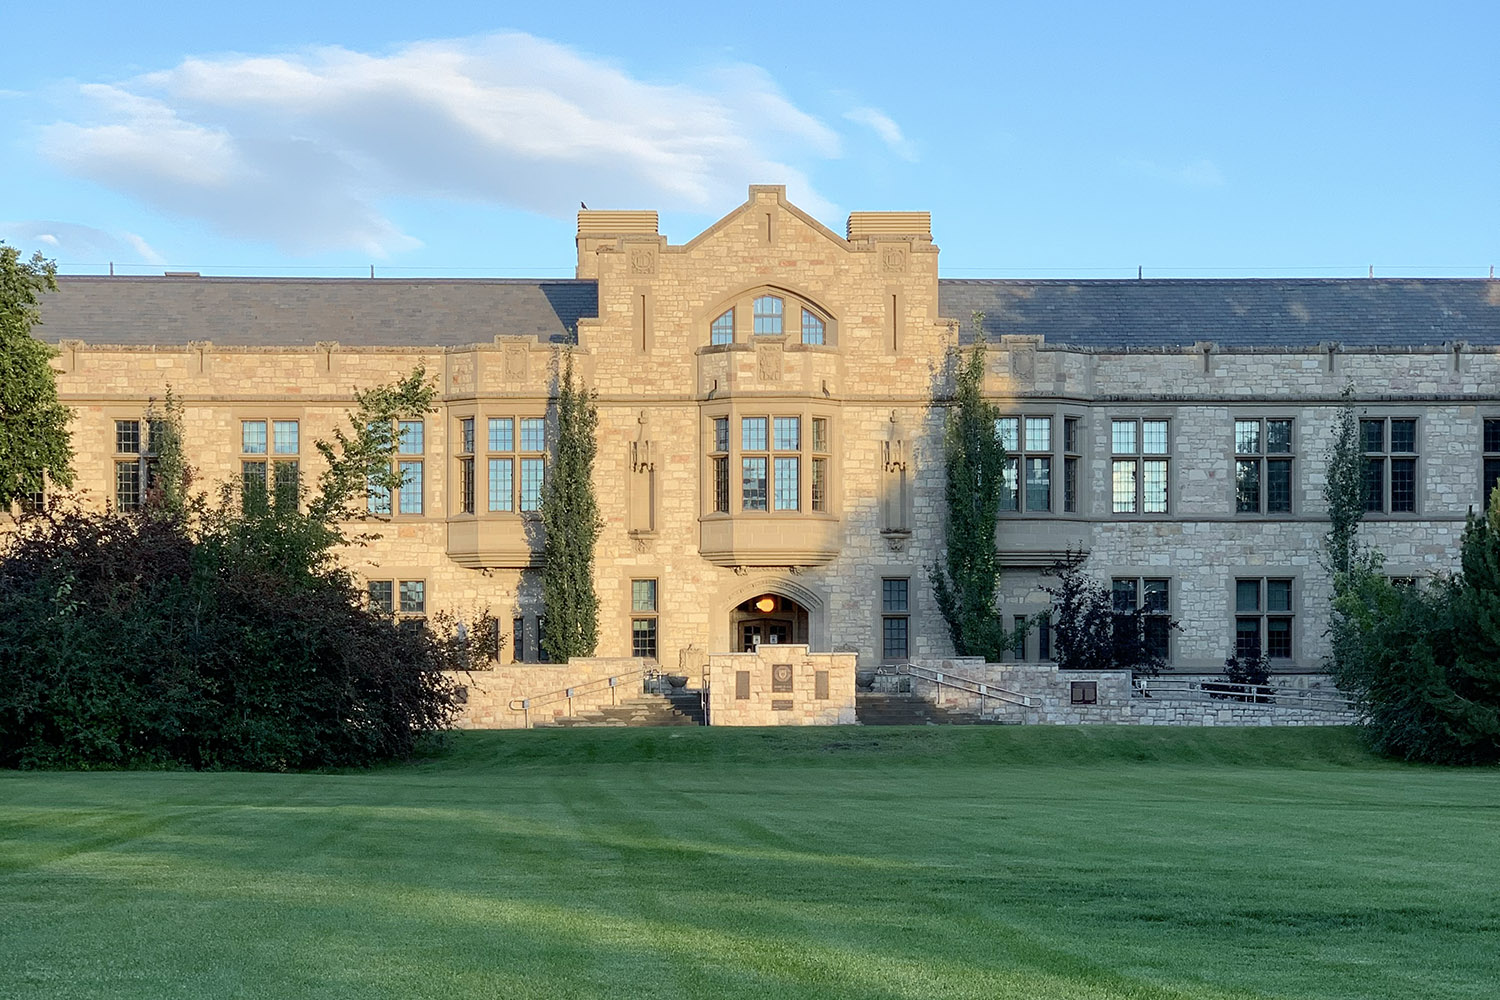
(966, 579)
(1344, 488)
(34, 441)
(570, 516)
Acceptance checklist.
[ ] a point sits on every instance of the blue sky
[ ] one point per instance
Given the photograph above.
(1047, 140)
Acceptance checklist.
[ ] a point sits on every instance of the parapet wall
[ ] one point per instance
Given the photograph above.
(781, 685)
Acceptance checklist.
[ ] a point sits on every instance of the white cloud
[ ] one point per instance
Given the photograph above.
(888, 131)
(72, 243)
(1202, 172)
(304, 149)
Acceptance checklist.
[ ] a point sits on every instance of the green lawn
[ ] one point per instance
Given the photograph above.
(926, 863)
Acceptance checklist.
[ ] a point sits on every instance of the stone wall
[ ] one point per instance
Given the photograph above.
(489, 693)
(781, 686)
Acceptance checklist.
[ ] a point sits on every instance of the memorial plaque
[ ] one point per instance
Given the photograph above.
(820, 685)
(742, 685)
(781, 678)
(781, 705)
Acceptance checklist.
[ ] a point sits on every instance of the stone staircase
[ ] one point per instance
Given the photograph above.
(681, 708)
(876, 708)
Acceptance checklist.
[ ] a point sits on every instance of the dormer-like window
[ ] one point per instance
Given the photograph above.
(768, 311)
(722, 331)
(812, 328)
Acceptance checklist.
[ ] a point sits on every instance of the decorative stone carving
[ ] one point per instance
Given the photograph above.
(893, 260)
(642, 261)
(768, 362)
(517, 363)
(895, 539)
(1023, 363)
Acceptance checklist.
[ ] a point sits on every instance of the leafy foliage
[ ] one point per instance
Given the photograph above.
(213, 637)
(1426, 664)
(570, 517)
(966, 579)
(34, 440)
(1090, 632)
(1344, 488)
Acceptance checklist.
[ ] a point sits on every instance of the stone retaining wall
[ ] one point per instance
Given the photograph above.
(488, 693)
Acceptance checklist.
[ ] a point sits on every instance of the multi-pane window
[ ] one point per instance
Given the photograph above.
(398, 597)
(770, 462)
(466, 465)
(895, 618)
(1263, 618)
(1263, 466)
(410, 445)
(1138, 470)
(1028, 461)
(277, 474)
(767, 315)
(820, 450)
(1390, 471)
(1151, 595)
(643, 618)
(812, 328)
(722, 329)
(135, 464)
(517, 463)
(1071, 461)
(719, 456)
(1491, 475)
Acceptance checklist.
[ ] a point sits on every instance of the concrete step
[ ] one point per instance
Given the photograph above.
(879, 709)
(640, 710)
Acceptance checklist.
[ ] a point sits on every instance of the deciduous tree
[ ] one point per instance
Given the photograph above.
(34, 440)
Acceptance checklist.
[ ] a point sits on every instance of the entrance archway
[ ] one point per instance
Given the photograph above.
(768, 618)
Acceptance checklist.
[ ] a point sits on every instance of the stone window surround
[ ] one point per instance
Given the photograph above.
(1006, 406)
(241, 415)
(1140, 577)
(1261, 574)
(915, 576)
(743, 305)
(1264, 457)
(1386, 414)
(482, 454)
(396, 577)
(633, 614)
(142, 457)
(770, 408)
(393, 502)
(1138, 415)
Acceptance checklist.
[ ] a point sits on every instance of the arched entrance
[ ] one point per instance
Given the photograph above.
(768, 618)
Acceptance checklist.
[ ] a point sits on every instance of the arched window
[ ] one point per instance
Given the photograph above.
(812, 328)
(722, 331)
(768, 309)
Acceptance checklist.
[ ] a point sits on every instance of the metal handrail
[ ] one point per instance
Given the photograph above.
(967, 684)
(1262, 694)
(525, 705)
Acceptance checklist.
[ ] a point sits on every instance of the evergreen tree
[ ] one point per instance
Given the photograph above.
(570, 517)
(967, 577)
(34, 440)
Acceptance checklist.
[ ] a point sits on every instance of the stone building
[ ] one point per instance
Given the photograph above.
(770, 457)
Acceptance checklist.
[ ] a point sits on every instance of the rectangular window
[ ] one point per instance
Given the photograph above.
(820, 485)
(721, 485)
(128, 437)
(643, 618)
(284, 437)
(895, 620)
(1027, 441)
(532, 471)
(502, 434)
(409, 437)
(402, 597)
(1018, 639)
(1070, 465)
(466, 465)
(518, 639)
(502, 476)
(1263, 617)
(410, 493)
(1044, 637)
(788, 433)
(721, 434)
(753, 483)
(753, 434)
(1263, 466)
(1490, 471)
(767, 313)
(787, 479)
(1151, 595)
(1139, 483)
(128, 492)
(1390, 473)
(533, 434)
(820, 434)
(382, 596)
(253, 437)
(413, 597)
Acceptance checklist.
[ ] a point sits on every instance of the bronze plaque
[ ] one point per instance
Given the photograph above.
(820, 685)
(781, 705)
(742, 685)
(781, 678)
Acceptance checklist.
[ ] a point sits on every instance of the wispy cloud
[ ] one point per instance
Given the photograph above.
(888, 131)
(1203, 172)
(72, 243)
(306, 150)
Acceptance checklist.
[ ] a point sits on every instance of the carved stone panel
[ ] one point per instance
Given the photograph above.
(768, 360)
(893, 260)
(517, 363)
(642, 261)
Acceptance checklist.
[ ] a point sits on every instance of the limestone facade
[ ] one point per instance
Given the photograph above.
(776, 476)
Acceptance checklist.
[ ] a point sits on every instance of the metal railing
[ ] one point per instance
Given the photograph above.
(1185, 689)
(966, 684)
(611, 684)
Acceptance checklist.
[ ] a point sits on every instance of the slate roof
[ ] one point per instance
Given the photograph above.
(383, 312)
(1269, 312)
(1107, 315)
